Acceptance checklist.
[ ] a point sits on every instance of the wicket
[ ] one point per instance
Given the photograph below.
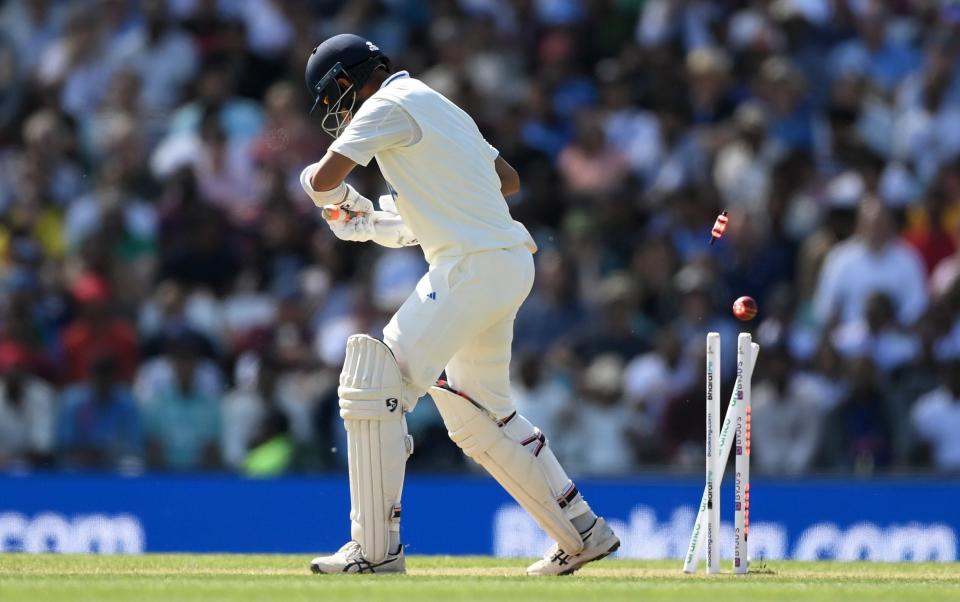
(713, 441)
(720, 443)
(741, 467)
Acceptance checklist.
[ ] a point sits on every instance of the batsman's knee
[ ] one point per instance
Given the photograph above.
(372, 384)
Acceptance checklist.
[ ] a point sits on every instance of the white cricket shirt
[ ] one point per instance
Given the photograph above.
(438, 166)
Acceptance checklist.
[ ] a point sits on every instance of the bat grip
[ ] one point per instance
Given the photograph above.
(332, 213)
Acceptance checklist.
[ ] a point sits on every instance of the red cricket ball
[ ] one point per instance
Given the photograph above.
(745, 308)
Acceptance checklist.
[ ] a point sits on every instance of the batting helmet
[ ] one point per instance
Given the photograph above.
(344, 56)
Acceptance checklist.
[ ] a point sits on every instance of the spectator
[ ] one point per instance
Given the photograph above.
(552, 312)
(202, 256)
(842, 195)
(694, 284)
(711, 96)
(873, 260)
(860, 430)
(783, 91)
(878, 336)
(252, 72)
(77, 64)
(183, 419)
(826, 379)
(787, 418)
(742, 168)
(239, 118)
(27, 412)
(653, 379)
(162, 56)
(946, 274)
(35, 25)
(540, 396)
(932, 238)
(875, 52)
(925, 127)
(207, 23)
(97, 331)
(273, 451)
(758, 260)
(589, 165)
(99, 424)
(157, 377)
(262, 392)
(947, 313)
(224, 170)
(600, 443)
(111, 203)
(653, 265)
(174, 312)
(543, 130)
(149, 169)
(801, 24)
(46, 167)
(632, 132)
(616, 329)
(936, 417)
(32, 323)
(681, 430)
(268, 26)
(115, 130)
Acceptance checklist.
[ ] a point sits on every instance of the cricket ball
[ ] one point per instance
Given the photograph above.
(745, 308)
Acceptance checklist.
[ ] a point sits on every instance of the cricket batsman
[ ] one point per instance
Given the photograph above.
(447, 187)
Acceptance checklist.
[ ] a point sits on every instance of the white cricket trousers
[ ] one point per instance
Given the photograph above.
(460, 318)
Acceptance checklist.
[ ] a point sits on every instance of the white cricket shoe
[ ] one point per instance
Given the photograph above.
(599, 541)
(350, 559)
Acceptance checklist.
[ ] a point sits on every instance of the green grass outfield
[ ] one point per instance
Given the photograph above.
(280, 578)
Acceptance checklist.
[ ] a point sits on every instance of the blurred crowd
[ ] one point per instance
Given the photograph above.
(169, 299)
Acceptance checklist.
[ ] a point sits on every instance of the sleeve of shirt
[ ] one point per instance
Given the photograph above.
(379, 125)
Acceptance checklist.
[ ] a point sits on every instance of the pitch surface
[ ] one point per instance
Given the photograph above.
(281, 578)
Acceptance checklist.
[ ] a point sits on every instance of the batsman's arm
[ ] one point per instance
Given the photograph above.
(330, 172)
(509, 178)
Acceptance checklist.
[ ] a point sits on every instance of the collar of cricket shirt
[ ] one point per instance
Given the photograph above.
(396, 75)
